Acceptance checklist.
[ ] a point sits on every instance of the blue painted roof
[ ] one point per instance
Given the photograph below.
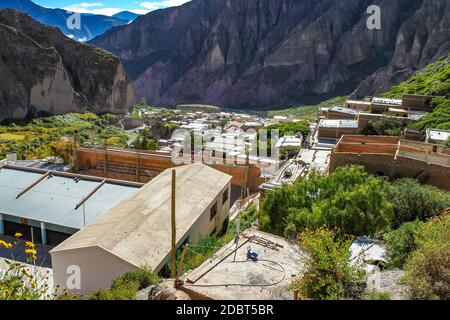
(54, 199)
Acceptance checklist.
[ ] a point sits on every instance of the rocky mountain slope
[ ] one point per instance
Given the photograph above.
(91, 25)
(263, 52)
(44, 72)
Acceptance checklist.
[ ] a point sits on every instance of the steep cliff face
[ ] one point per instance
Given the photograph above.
(253, 53)
(422, 39)
(42, 71)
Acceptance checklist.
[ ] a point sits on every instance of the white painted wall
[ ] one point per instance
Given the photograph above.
(97, 268)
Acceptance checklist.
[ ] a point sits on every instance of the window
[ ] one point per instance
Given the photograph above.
(213, 211)
(225, 196)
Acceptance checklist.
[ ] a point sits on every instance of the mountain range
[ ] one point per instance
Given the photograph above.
(241, 53)
(91, 25)
(43, 72)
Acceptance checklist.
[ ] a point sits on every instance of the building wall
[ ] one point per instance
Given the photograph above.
(97, 268)
(204, 226)
(340, 115)
(335, 133)
(383, 163)
(355, 105)
(143, 167)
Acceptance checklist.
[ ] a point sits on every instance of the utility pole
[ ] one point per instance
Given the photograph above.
(174, 230)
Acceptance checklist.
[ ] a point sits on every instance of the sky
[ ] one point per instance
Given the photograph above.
(109, 7)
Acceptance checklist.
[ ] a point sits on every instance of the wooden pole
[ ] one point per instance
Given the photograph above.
(180, 266)
(174, 230)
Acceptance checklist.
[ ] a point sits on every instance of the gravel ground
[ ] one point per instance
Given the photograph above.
(388, 281)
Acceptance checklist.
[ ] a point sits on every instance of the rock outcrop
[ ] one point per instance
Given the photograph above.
(44, 72)
(250, 53)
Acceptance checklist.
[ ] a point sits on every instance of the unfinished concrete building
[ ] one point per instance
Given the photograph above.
(395, 158)
(231, 275)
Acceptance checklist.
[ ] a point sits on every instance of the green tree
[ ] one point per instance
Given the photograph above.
(401, 243)
(348, 199)
(328, 275)
(144, 142)
(412, 201)
(427, 268)
(385, 126)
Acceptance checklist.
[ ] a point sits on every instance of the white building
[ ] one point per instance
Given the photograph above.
(137, 232)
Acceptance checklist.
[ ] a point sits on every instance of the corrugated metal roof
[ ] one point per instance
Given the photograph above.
(53, 200)
(367, 250)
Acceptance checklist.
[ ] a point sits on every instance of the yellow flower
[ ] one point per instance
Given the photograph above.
(30, 244)
(18, 235)
(5, 244)
(31, 251)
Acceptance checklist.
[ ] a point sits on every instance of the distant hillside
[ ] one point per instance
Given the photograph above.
(126, 15)
(255, 54)
(91, 25)
(433, 80)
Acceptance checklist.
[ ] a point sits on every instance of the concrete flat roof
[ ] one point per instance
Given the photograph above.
(438, 135)
(332, 123)
(387, 101)
(229, 277)
(343, 110)
(54, 199)
(137, 230)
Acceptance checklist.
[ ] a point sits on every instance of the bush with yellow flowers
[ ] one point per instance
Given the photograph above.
(327, 273)
(19, 281)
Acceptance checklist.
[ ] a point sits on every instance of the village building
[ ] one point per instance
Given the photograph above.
(335, 128)
(232, 275)
(136, 232)
(50, 206)
(337, 112)
(382, 105)
(395, 158)
(358, 105)
(368, 253)
(437, 136)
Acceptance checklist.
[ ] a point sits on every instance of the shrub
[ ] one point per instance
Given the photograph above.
(126, 286)
(427, 270)
(412, 201)
(348, 199)
(143, 277)
(328, 274)
(401, 243)
(290, 129)
(385, 127)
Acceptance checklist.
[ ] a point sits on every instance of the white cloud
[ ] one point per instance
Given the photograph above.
(152, 5)
(98, 7)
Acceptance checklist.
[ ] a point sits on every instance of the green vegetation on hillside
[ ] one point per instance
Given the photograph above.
(432, 80)
(422, 249)
(308, 113)
(40, 137)
(126, 286)
(349, 199)
(290, 129)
